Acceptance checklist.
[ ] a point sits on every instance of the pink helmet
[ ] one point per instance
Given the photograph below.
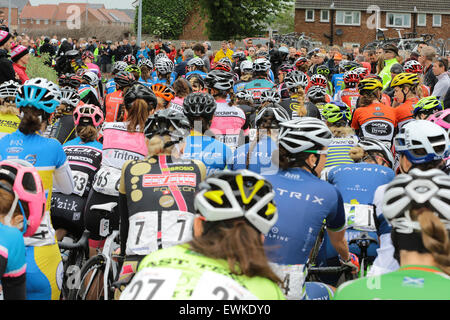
(441, 118)
(27, 188)
(88, 114)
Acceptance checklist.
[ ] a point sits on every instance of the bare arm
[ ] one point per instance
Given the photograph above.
(339, 242)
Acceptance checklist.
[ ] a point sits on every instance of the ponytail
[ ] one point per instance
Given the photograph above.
(31, 120)
(87, 133)
(9, 108)
(301, 111)
(138, 113)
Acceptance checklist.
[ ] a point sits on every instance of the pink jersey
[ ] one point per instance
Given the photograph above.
(94, 68)
(227, 123)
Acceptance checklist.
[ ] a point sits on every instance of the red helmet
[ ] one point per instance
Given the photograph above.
(351, 77)
(319, 80)
(413, 66)
(129, 59)
(300, 61)
(87, 54)
(222, 66)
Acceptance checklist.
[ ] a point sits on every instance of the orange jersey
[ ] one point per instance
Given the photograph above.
(426, 91)
(376, 121)
(113, 102)
(349, 96)
(405, 112)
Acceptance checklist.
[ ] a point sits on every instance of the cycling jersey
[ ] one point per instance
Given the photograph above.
(260, 160)
(12, 264)
(88, 94)
(377, 121)
(349, 96)
(240, 86)
(177, 104)
(410, 282)
(291, 105)
(426, 91)
(62, 130)
(228, 123)
(148, 82)
(213, 153)
(119, 146)
(405, 112)
(250, 115)
(257, 86)
(8, 124)
(157, 202)
(95, 69)
(155, 79)
(338, 151)
(110, 86)
(337, 80)
(113, 103)
(189, 275)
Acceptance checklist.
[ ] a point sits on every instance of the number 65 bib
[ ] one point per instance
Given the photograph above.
(107, 181)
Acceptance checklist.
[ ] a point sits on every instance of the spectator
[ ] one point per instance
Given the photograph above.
(20, 57)
(292, 55)
(6, 68)
(143, 52)
(47, 48)
(427, 55)
(440, 68)
(180, 69)
(224, 52)
(396, 69)
(370, 56)
(106, 54)
(173, 52)
(199, 51)
(65, 46)
(251, 54)
(134, 48)
(390, 55)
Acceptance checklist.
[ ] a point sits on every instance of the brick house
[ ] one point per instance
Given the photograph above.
(348, 22)
(44, 16)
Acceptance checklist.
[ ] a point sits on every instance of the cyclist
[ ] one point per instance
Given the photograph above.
(441, 118)
(350, 94)
(229, 121)
(21, 211)
(244, 101)
(427, 107)
(371, 118)
(9, 120)
(122, 141)
(84, 154)
(405, 94)
(88, 58)
(295, 82)
(164, 72)
(257, 155)
(182, 88)
(62, 127)
(337, 80)
(113, 108)
(146, 67)
(164, 95)
(117, 67)
(88, 89)
(414, 66)
(420, 144)
(282, 72)
(317, 95)
(246, 76)
(338, 117)
(199, 108)
(156, 201)
(134, 70)
(415, 206)
(385, 99)
(301, 158)
(36, 100)
(217, 263)
(197, 82)
(260, 80)
(69, 80)
(196, 65)
(320, 80)
(129, 59)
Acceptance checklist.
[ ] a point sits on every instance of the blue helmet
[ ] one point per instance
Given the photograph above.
(39, 93)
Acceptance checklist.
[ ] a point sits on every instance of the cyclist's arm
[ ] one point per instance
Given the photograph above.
(123, 211)
(336, 227)
(62, 176)
(338, 241)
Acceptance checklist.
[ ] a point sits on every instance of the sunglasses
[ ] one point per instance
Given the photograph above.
(324, 152)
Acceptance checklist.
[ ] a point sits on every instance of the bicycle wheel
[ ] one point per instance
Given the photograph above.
(91, 283)
(72, 272)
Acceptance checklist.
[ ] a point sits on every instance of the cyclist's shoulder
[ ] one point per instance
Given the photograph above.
(9, 238)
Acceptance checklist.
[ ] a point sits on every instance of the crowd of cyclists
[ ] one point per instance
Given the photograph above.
(232, 179)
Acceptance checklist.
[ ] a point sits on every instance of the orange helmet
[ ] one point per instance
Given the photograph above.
(163, 91)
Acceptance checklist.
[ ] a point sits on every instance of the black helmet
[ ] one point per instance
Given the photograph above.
(199, 104)
(139, 91)
(273, 112)
(160, 122)
(124, 79)
(220, 80)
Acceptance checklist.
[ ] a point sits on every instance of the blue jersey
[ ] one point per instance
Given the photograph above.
(260, 160)
(213, 153)
(338, 83)
(257, 86)
(271, 75)
(110, 86)
(147, 83)
(358, 182)
(303, 202)
(239, 87)
(155, 79)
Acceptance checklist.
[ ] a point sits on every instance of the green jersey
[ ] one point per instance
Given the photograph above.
(411, 282)
(180, 273)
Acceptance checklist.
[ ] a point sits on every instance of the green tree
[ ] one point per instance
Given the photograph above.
(164, 19)
(237, 19)
(284, 21)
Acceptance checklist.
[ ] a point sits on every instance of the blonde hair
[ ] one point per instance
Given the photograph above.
(435, 237)
(357, 154)
(301, 111)
(341, 132)
(156, 145)
(9, 108)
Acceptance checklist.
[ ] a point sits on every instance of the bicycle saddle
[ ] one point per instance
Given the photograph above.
(104, 207)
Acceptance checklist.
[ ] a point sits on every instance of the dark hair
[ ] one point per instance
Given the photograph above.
(30, 122)
(182, 87)
(199, 47)
(138, 113)
(87, 133)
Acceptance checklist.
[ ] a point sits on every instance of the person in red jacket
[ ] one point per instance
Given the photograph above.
(20, 57)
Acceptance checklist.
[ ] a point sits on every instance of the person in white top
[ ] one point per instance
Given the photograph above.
(440, 67)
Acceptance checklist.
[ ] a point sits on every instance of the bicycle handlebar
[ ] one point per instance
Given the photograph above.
(79, 244)
(329, 270)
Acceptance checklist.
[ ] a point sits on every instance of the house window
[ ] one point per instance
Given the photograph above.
(309, 16)
(402, 20)
(46, 21)
(24, 21)
(58, 23)
(422, 20)
(348, 18)
(38, 21)
(324, 15)
(437, 20)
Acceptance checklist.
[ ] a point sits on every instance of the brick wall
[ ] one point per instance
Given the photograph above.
(361, 34)
(14, 17)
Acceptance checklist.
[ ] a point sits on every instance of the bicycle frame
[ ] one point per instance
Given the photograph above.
(106, 253)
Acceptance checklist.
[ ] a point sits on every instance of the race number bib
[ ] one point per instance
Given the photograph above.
(152, 230)
(44, 235)
(214, 286)
(152, 284)
(107, 181)
(231, 140)
(80, 181)
(293, 277)
(360, 217)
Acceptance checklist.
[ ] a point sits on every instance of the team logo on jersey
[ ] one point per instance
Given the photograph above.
(294, 106)
(31, 158)
(413, 282)
(166, 201)
(158, 180)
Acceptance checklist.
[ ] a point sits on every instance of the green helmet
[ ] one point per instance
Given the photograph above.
(133, 68)
(335, 111)
(427, 105)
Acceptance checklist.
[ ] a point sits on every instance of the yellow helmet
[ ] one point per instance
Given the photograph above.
(369, 84)
(405, 78)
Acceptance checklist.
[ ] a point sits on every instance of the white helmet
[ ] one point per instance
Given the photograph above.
(417, 188)
(422, 141)
(369, 144)
(53, 41)
(198, 62)
(161, 55)
(245, 95)
(296, 79)
(246, 66)
(164, 66)
(261, 65)
(316, 93)
(91, 78)
(119, 66)
(70, 97)
(9, 89)
(300, 134)
(233, 194)
(145, 62)
(270, 96)
(274, 112)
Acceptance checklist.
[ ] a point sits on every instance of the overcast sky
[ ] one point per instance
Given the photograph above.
(109, 4)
